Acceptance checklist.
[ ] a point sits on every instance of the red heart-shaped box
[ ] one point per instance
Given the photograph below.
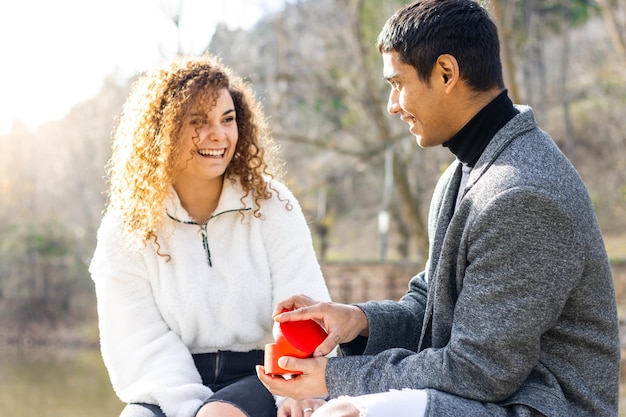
(293, 338)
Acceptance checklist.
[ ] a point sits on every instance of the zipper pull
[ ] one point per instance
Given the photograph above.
(205, 243)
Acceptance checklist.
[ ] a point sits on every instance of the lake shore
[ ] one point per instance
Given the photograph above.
(46, 335)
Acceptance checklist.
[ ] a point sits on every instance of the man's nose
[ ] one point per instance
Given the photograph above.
(393, 106)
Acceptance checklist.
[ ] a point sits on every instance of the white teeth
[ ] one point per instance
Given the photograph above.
(211, 152)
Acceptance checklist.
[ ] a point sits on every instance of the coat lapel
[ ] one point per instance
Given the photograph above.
(442, 217)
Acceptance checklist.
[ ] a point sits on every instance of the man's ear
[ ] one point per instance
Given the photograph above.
(447, 71)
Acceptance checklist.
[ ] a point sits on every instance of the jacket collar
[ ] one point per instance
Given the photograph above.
(230, 200)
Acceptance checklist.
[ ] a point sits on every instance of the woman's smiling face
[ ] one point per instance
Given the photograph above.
(209, 135)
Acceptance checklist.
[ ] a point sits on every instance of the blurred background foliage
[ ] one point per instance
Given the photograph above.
(317, 73)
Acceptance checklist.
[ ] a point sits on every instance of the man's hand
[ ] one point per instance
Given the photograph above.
(312, 382)
(342, 322)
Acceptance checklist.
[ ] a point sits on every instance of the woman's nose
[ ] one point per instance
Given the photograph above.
(212, 132)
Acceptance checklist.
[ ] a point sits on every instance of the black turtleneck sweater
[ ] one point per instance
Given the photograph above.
(470, 142)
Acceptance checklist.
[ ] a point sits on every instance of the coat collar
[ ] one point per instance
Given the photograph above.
(517, 126)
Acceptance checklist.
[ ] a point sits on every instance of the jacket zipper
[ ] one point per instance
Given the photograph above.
(205, 234)
(205, 242)
(203, 230)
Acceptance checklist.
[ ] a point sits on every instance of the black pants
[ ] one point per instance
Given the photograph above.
(232, 378)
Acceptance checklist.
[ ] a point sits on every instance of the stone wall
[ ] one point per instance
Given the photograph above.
(353, 282)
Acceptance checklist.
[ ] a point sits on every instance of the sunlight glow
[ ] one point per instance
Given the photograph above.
(55, 54)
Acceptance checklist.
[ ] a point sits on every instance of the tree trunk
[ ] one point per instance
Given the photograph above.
(410, 202)
(613, 27)
(565, 95)
(503, 13)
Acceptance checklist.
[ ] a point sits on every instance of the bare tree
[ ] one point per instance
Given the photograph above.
(504, 11)
(612, 14)
(318, 70)
(173, 9)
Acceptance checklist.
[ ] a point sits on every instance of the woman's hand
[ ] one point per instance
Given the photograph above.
(339, 407)
(299, 408)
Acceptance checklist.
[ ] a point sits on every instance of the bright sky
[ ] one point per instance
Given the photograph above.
(55, 53)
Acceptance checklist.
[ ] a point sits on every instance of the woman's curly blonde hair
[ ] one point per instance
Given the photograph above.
(147, 141)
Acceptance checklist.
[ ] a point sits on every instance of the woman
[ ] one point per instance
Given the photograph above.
(198, 242)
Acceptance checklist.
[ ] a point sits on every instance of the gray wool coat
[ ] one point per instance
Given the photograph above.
(514, 314)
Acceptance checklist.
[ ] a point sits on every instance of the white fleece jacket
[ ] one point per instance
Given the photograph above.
(154, 314)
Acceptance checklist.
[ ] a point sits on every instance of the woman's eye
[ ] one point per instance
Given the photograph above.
(196, 121)
(229, 119)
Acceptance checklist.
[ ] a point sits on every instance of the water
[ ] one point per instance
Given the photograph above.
(63, 382)
(55, 382)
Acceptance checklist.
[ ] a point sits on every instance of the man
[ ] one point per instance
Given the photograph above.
(514, 314)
